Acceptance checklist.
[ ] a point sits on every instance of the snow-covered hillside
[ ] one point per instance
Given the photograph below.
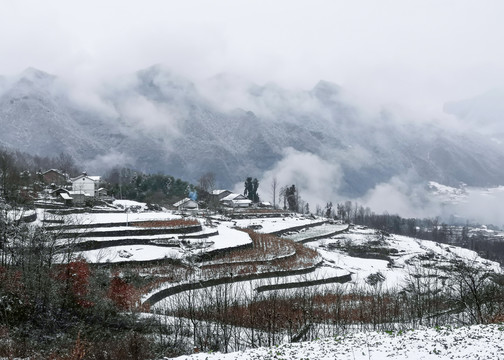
(483, 342)
(216, 282)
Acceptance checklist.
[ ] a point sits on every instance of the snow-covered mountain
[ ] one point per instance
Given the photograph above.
(159, 121)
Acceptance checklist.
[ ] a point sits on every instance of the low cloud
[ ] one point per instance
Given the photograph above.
(142, 113)
(481, 206)
(228, 92)
(403, 197)
(89, 96)
(408, 199)
(316, 179)
(101, 164)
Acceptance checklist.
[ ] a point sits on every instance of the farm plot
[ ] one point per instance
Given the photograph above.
(324, 230)
(276, 225)
(145, 248)
(391, 260)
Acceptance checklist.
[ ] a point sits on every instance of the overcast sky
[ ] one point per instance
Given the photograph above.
(416, 53)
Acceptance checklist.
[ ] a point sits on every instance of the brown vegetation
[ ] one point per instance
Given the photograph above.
(269, 253)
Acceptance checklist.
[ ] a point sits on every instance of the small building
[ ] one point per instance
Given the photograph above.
(265, 204)
(66, 198)
(54, 176)
(56, 193)
(186, 205)
(236, 201)
(102, 193)
(86, 184)
(80, 198)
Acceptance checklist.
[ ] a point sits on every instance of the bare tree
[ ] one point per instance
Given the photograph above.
(207, 182)
(475, 292)
(274, 184)
(282, 196)
(66, 163)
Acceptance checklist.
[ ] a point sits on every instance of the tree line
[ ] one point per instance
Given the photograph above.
(125, 183)
(55, 305)
(20, 173)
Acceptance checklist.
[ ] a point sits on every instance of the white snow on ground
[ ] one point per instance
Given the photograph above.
(324, 229)
(16, 215)
(100, 218)
(483, 342)
(130, 203)
(85, 230)
(478, 342)
(407, 248)
(270, 225)
(130, 253)
(243, 290)
(207, 231)
(229, 238)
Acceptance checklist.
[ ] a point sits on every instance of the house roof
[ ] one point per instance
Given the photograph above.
(65, 196)
(234, 197)
(94, 178)
(182, 202)
(60, 189)
(218, 192)
(53, 170)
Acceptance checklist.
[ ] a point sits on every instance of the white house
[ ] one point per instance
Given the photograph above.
(87, 185)
(186, 204)
(236, 201)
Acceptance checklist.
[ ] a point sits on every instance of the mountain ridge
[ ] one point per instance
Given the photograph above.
(165, 123)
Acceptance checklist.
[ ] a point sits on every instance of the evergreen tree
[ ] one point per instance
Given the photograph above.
(292, 199)
(251, 187)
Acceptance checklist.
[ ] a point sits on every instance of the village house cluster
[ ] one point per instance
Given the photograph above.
(219, 198)
(87, 190)
(77, 191)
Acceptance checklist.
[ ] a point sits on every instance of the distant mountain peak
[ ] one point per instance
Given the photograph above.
(34, 74)
(32, 78)
(159, 82)
(326, 91)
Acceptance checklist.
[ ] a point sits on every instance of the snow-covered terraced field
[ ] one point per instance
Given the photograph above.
(205, 233)
(348, 257)
(247, 289)
(101, 218)
(322, 230)
(273, 225)
(348, 260)
(397, 259)
(226, 238)
(130, 253)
